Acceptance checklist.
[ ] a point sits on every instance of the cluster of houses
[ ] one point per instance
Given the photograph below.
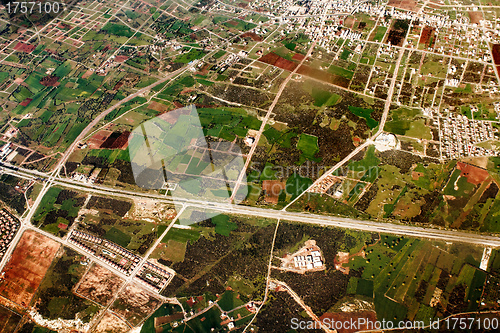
(307, 258)
(83, 241)
(8, 228)
(459, 136)
(112, 254)
(153, 276)
(310, 261)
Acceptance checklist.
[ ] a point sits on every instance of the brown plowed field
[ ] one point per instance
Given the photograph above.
(27, 267)
(341, 317)
(495, 51)
(252, 35)
(474, 174)
(275, 60)
(403, 4)
(426, 35)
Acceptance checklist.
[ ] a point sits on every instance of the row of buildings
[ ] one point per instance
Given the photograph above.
(112, 254)
(150, 275)
(153, 276)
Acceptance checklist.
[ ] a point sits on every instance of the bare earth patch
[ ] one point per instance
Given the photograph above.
(27, 267)
(135, 304)
(99, 285)
(111, 324)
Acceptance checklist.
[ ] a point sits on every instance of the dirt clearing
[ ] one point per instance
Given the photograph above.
(99, 285)
(27, 267)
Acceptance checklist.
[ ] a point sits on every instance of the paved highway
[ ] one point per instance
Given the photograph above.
(334, 221)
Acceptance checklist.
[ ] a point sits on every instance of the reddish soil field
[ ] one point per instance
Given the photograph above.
(157, 107)
(369, 316)
(121, 58)
(87, 74)
(49, 81)
(252, 35)
(24, 47)
(273, 189)
(98, 139)
(116, 140)
(26, 102)
(416, 175)
(426, 35)
(495, 51)
(118, 85)
(474, 174)
(323, 76)
(172, 117)
(475, 17)
(275, 60)
(298, 56)
(122, 141)
(27, 267)
(403, 4)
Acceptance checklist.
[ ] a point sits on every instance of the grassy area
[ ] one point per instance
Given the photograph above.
(223, 225)
(364, 113)
(308, 145)
(118, 29)
(117, 236)
(179, 235)
(341, 71)
(189, 56)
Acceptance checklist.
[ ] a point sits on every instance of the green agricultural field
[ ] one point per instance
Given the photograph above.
(458, 187)
(365, 169)
(179, 235)
(223, 225)
(348, 74)
(282, 139)
(117, 236)
(406, 121)
(240, 25)
(404, 273)
(63, 70)
(219, 54)
(364, 113)
(118, 29)
(297, 184)
(324, 98)
(189, 56)
(229, 300)
(308, 145)
(345, 54)
(165, 310)
(379, 34)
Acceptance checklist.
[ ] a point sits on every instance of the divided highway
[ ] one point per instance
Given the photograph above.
(334, 221)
